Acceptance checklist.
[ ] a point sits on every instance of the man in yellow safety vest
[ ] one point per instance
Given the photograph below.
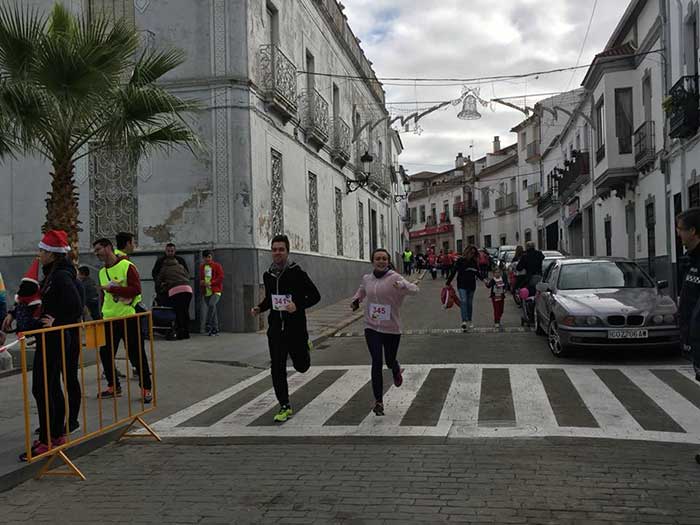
(121, 286)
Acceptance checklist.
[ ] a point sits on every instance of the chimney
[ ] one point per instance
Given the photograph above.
(496, 144)
(459, 161)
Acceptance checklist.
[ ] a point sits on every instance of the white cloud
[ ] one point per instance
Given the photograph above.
(475, 38)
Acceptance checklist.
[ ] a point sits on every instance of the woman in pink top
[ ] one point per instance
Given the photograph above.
(384, 290)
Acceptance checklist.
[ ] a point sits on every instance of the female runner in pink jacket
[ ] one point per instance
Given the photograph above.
(384, 290)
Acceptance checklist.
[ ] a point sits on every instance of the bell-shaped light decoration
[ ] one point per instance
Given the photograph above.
(469, 111)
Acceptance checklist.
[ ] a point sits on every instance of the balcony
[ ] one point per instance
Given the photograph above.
(315, 117)
(361, 147)
(341, 145)
(533, 152)
(644, 148)
(683, 108)
(576, 174)
(464, 209)
(506, 204)
(278, 78)
(547, 202)
(533, 193)
(444, 217)
(431, 221)
(379, 176)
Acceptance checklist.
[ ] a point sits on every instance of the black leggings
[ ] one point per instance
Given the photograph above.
(282, 345)
(181, 303)
(376, 341)
(48, 387)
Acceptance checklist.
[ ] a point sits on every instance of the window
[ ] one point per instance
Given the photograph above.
(578, 141)
(523, 140)
(414, 216)
(313, 212)
(485, 198)
(460, 248)
(608, 237)
(471, 240)
(487, 241)
(361, 227)
(113, 194)
(624, 121)
(503, 240)
(336, 103)
(650, 214)
(422, 213)
(310, 72)
(446, 209)
(277, 189)
(433, 211)
(273, 27)
(694, 195)
(528, 235)
(600, 129)
(590, 227)
(339, 220)
(512, 185)
(603, 274)
(525, 185)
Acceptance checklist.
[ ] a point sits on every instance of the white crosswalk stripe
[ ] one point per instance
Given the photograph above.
(458, 415)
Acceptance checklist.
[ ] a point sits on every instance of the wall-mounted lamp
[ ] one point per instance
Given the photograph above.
(361, 179)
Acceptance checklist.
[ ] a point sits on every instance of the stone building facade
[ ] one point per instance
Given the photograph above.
(289, 105)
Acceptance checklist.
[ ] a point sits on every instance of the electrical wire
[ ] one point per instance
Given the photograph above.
(583, 45)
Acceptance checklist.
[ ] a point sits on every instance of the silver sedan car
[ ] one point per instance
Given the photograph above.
(604, 302)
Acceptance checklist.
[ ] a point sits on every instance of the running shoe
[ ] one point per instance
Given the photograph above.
(398, 378)
(464, 327)
(147, 396)
(378, 409)
(110, 392)
(284, 414)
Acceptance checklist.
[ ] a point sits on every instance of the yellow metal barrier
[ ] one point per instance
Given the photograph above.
(92, 337)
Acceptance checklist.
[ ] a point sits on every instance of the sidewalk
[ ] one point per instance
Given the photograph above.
(186, 373)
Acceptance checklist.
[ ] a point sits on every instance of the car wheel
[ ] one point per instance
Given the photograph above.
(538, 326)
(554, 340)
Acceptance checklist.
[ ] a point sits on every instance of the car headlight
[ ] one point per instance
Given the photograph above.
(581, 321)
(669, 319)
(657, 319)
(592, 321)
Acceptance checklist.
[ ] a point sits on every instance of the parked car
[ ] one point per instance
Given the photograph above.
(501, 255)
(549, 257)
(604, 302)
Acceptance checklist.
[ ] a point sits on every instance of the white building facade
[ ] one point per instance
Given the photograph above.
(283, 139)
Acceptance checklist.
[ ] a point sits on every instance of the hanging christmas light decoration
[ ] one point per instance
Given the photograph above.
(470, 100)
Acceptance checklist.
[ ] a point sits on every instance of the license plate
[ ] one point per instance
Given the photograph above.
(628, 334)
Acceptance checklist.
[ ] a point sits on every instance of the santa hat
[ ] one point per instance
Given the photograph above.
(55, 241)
(29, 293)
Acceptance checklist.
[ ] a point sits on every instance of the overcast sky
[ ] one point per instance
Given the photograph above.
(475, 38)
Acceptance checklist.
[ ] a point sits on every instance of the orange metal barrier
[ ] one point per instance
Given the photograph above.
(91, 337)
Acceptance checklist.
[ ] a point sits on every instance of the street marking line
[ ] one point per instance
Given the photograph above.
(567, 405)
(605, 407)
(430, 398)
(318, 411)
(686, 387)
(530, 400)
(462, 402)
(496, 400)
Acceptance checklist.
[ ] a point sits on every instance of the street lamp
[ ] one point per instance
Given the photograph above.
(406, 187)
(362, 178)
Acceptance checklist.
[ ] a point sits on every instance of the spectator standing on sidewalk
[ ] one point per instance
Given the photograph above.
(173, 285)
(211, 276)
(498, 286)
(385, 291)
(92, 296)
(170, 251)
(467, 271)
(407, 260)
(126, 244)
(61, 305)
(289, 292)
(121, 287)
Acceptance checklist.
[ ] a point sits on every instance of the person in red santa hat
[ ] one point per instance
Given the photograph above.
(60, 305)
(27, 310)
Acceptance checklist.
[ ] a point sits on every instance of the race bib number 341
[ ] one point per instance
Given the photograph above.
(380, 312)
(280, 302)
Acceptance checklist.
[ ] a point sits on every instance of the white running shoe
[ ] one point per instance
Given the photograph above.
(464, 327)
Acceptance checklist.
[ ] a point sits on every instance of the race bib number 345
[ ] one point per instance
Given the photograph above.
(280, 302)
(380, 312)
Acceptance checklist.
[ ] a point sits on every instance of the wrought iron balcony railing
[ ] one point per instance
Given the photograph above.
(379, 175)
(431, 221)
(547, 201)
(341, 142)
(278, 77)
(644, 146)
(533, 151)
(600, 153)
(464, 209)
(683, 111)
(506, 203)
(533, 192)
(577, 173)
(315, 117)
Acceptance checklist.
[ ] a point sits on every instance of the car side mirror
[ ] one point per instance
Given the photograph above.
(543, 287)
(662, 285)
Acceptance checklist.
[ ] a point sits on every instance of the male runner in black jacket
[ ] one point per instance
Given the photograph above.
(288, 293)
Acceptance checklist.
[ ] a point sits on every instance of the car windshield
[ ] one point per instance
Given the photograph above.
(603, 274)
(508, 256)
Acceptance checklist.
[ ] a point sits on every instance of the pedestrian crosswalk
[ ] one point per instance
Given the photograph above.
(460, 401)
(445, 331)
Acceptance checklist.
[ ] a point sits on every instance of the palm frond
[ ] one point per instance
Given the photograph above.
(21, 31)
(162, 138)
(61, 23)
(153, 65)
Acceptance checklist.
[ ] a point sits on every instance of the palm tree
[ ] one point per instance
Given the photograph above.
(70, 85)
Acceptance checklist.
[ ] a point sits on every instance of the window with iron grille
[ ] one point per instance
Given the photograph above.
(277, 194)
(113, 194)
(608, 237)
(339, 220)
(112, 10)
(694, 195)
(313, 211)
(624, 120)
(361, 226)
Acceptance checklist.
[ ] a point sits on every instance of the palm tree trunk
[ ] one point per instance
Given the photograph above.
(62, 210)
